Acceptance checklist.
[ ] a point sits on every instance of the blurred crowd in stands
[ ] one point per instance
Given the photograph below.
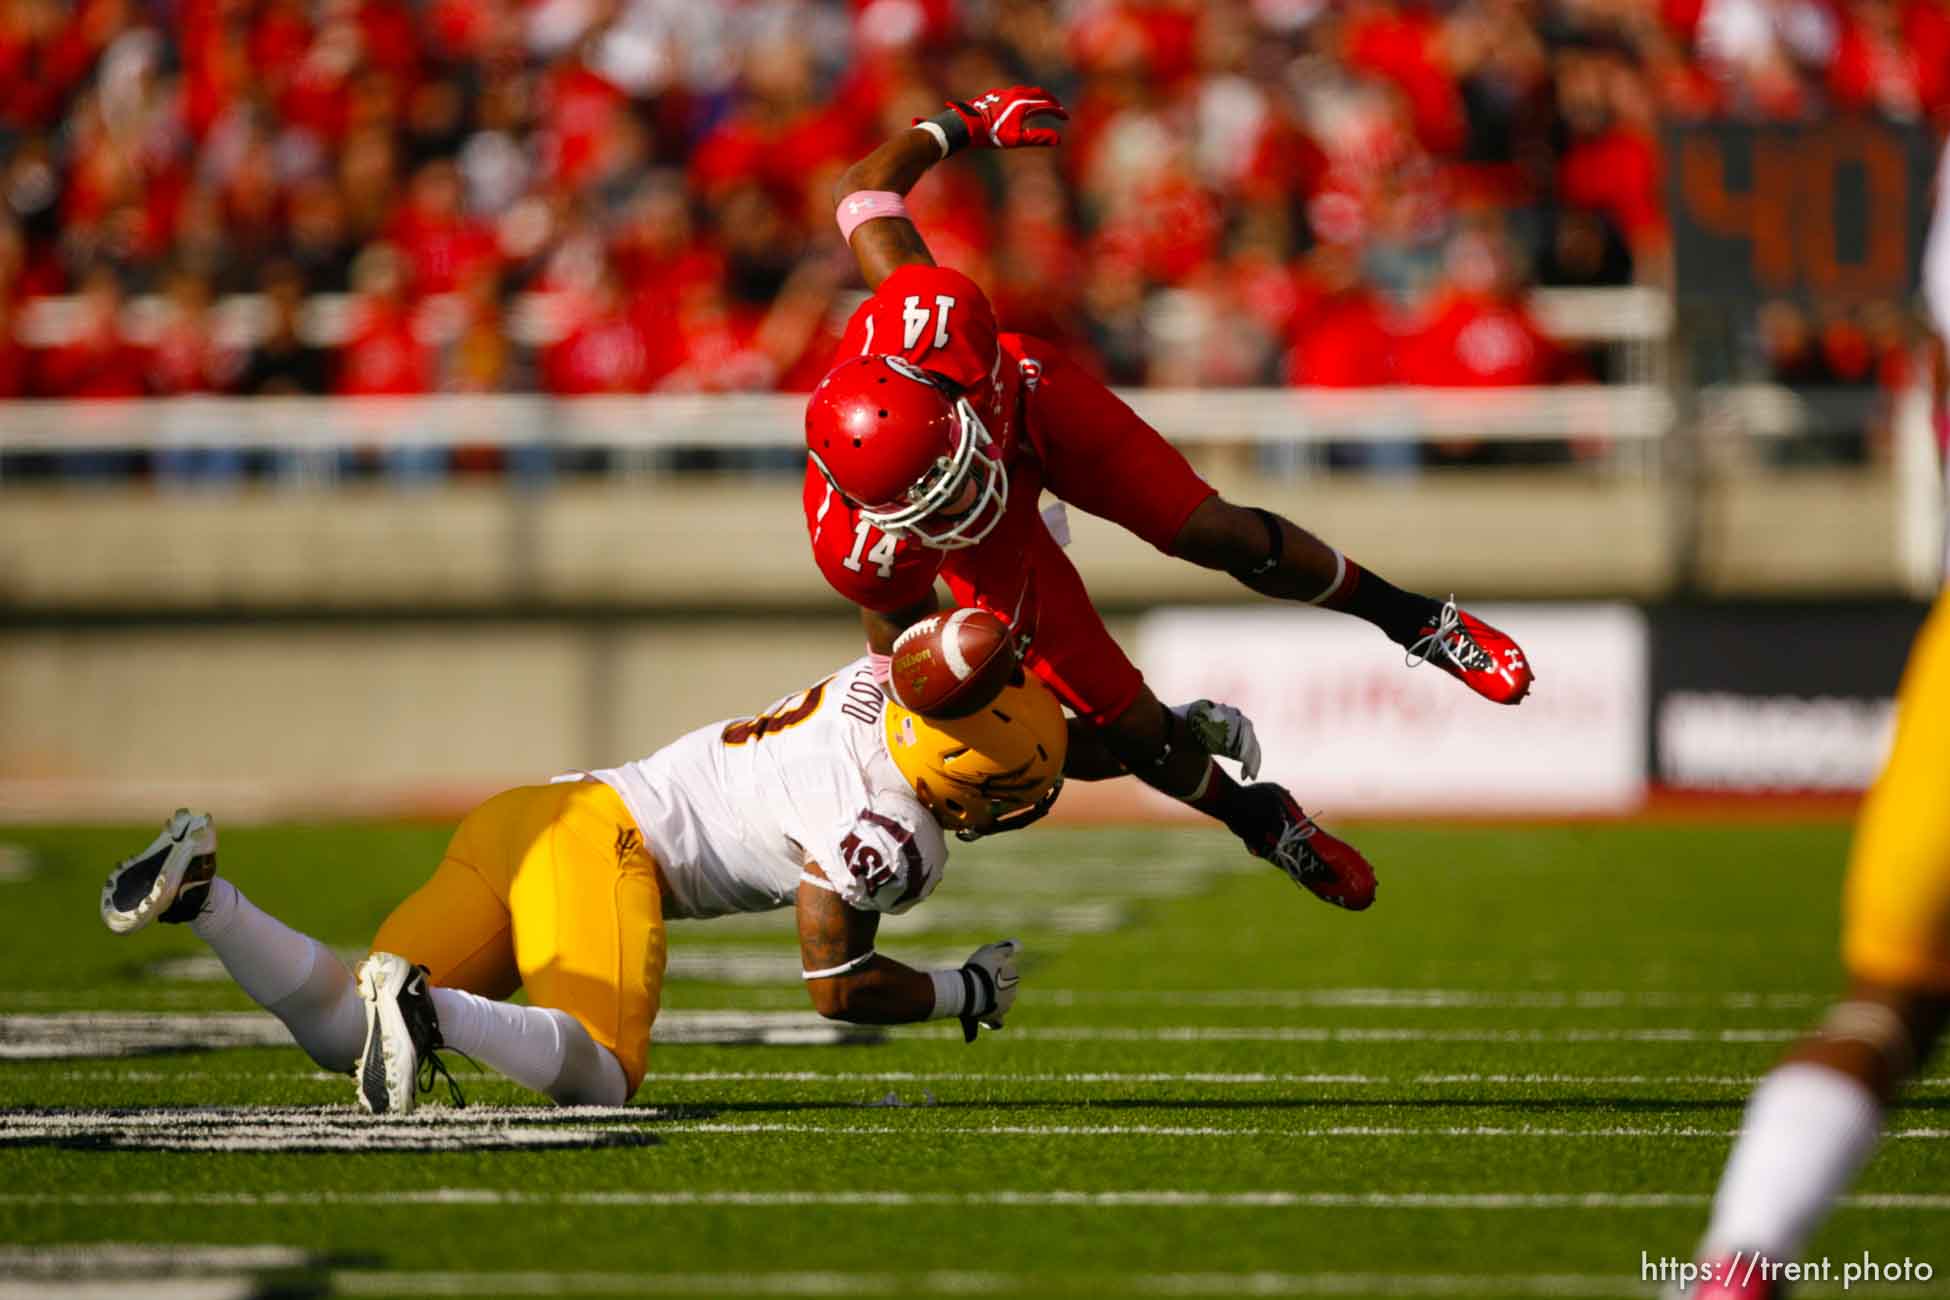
(596, 196)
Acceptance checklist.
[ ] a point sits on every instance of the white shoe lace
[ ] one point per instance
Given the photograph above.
(1293, 855)
(1449, 640)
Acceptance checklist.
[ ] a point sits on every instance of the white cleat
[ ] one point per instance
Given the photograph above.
(169, 881)
(402, 1036)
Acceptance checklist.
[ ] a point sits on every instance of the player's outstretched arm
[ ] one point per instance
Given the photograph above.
(872, 218)
(883, 629)
(849, 981)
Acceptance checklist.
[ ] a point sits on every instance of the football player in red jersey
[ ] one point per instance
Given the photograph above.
(934, 436)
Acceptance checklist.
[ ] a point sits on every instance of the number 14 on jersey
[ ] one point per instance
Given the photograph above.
(881, 556)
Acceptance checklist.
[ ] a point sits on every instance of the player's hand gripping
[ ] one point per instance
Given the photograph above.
(993, 969)
(1224, 731)
(1001, 119)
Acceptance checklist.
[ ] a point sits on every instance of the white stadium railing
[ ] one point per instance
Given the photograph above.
(1625, 413)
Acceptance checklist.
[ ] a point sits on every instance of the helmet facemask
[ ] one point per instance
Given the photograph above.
(920, 513)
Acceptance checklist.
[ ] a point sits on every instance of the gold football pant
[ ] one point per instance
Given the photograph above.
(1896, 904)
(548, 887)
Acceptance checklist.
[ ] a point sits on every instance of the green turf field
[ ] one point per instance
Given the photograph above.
(1517, 1075)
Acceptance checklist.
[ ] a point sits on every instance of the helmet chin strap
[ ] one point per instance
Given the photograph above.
(1017, 820)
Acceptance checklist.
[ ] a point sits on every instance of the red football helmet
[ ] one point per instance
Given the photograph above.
(908, 452)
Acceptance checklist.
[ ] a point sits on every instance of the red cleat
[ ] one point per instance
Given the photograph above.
(1474, 653)
(1289, 839)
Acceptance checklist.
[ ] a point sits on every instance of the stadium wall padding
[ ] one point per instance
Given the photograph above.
(319, 715)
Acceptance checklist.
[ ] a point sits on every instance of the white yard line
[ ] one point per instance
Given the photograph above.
(1432, 998)
(768, 1198)
(93, 1280)
(281, 1127)
(70, 1035)
(1361, 1034)
(1212, 1078)
(1169, 1130)
(969, 1283)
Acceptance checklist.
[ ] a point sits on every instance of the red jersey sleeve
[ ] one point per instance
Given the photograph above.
(935, 317)
(860, 562)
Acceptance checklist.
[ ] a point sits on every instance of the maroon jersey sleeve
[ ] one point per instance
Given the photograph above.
(860, 562)
(935, 317)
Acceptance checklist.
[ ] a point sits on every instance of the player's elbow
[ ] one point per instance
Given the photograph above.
(834, 998)
(851, 181)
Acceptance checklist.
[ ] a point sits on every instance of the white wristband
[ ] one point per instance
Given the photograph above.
(934, 129)
(953, 991)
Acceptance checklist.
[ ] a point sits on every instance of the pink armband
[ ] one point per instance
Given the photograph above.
(882, 668)
(865, 205)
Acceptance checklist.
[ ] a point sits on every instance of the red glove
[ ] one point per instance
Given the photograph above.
(1001, 119)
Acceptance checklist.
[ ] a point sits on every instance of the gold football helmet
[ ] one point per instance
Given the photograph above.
(998, 769)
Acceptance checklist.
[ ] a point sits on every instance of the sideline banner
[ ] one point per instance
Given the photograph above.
(1768, 698)
(1349, 729)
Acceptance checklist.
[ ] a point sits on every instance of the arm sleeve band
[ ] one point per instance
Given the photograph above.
(954, 129)
(865, 205)
(1334, 587)
(936, 130)
(844, 968)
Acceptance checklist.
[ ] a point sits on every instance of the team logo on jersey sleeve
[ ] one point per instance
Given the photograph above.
(885, 860)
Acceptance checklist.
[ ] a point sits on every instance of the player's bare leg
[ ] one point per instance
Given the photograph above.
(1153, 744)
(1811, 1124)
(1276, 557)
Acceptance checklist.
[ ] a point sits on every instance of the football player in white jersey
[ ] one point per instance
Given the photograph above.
(834, 801)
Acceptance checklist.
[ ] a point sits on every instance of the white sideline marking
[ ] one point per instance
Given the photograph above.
(1242, 1079)
(167, 1272)
(215, 1287)
(1355, 1034)
(1425, 998)
(142, 1259)
(333, 1128)
(1168, 1130)
(349, 1282)
(67, 1035)
(775, 1199)
(16, 863)
(285, 1128)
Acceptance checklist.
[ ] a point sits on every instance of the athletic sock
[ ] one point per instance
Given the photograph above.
(1219, 796)
(291, 975)
(1402, 615)
(540, 1048)
(1807, 1130)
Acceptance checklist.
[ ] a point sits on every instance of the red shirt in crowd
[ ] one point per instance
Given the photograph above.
(97, 365)
(1616, 174)
(604, 352)
(442, 249)
(383, 358)
(1342, 342)
(1472, 341)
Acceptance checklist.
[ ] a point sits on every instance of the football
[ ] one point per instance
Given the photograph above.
(952, 663)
